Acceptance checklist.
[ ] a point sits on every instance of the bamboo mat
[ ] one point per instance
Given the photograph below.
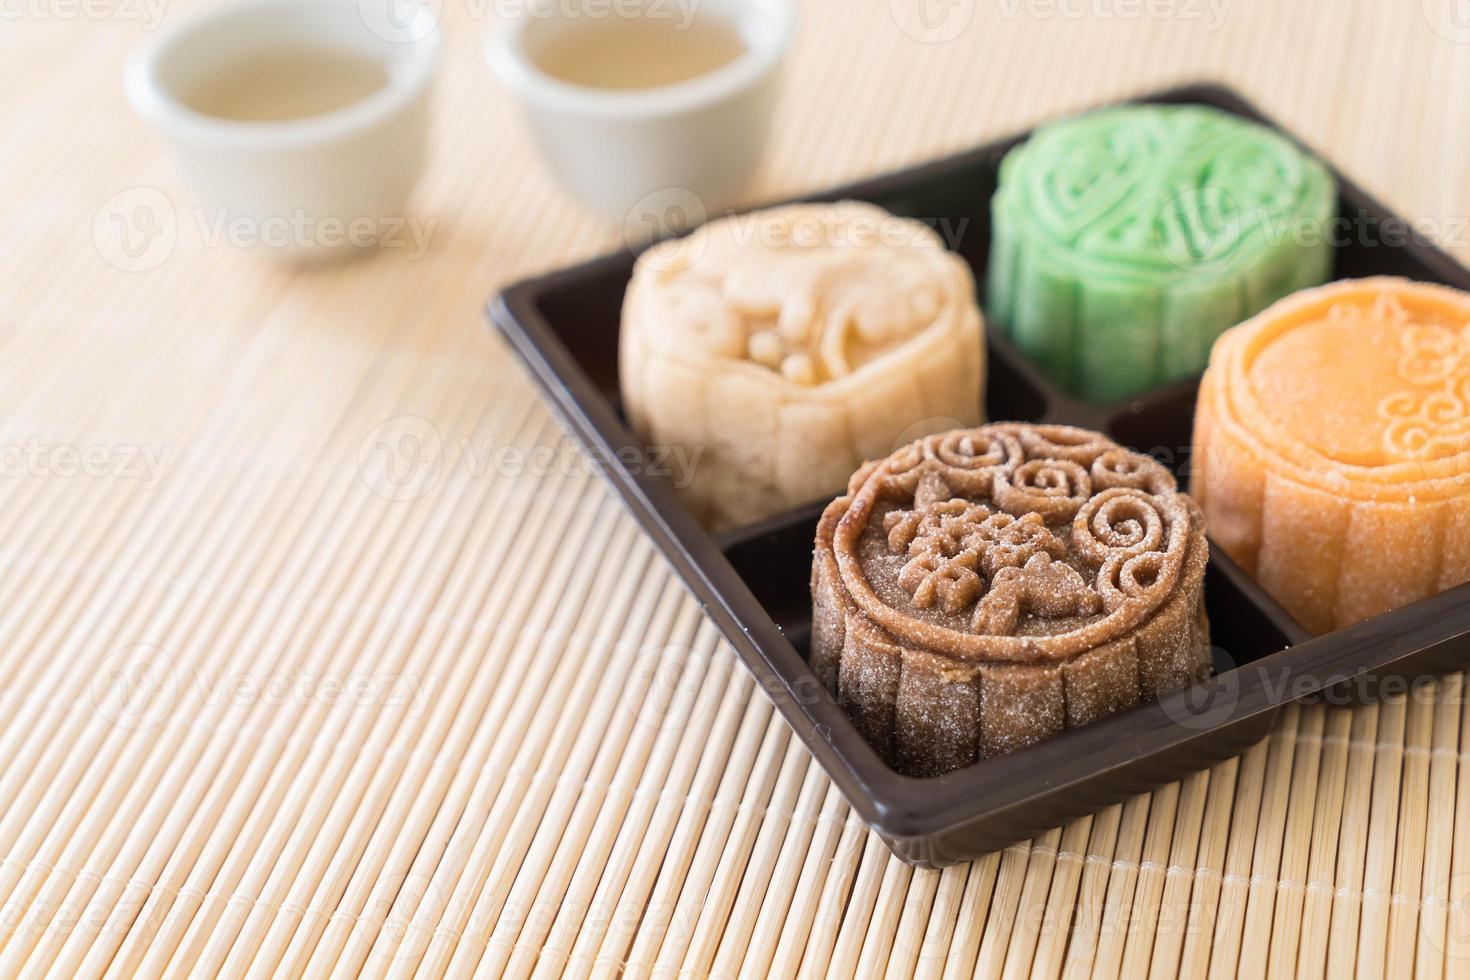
(270, 708)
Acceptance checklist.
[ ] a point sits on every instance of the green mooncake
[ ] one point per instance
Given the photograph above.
(1126, 240)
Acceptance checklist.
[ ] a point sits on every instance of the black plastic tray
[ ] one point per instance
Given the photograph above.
(754, 581)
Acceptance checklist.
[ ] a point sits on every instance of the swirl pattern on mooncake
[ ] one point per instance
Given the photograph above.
(786, 346)
(1332, 447)
(1126, 240)
(981, 589)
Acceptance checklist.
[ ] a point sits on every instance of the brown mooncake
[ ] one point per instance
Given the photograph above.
(982, 589)
(1332, 447)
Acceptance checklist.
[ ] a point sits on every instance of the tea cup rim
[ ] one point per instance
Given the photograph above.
(157, 101)
(765, 26)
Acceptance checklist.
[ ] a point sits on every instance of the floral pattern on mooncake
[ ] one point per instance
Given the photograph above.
(983, 588)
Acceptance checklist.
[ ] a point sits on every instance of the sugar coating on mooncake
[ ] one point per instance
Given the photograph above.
(982, 589)
(1126, 240)
(781, 348)
(1332, 447)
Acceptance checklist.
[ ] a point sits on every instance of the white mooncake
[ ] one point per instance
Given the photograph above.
(776, 351)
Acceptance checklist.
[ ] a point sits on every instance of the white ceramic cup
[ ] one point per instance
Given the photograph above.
(690, 144)
(306, 188)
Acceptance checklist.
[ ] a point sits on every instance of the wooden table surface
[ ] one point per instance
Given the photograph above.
(264, 711)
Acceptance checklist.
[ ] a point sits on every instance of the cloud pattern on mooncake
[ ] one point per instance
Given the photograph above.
(1126, 240)
(1332, 447)
(981, 589)
(786, 346)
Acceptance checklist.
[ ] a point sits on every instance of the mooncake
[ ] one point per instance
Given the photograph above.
(981, 589)
(1332, 447)
(778, 350)
(1126, 240)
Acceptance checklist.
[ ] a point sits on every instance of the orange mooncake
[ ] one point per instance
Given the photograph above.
(982, 589)
(1332, 447)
